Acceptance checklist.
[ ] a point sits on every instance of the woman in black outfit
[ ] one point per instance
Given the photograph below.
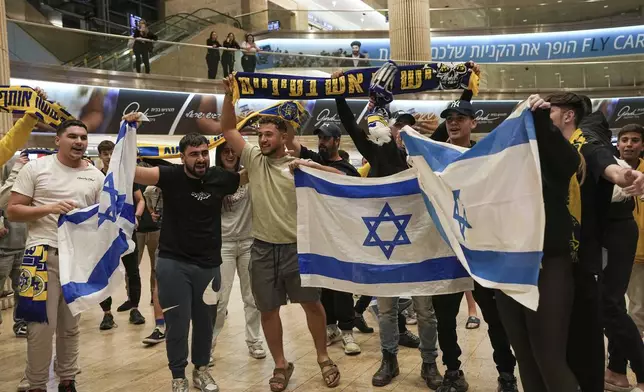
(228, 56)
(212, 57)
(141, 48)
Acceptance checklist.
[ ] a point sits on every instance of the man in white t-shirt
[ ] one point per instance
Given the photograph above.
(44, 189)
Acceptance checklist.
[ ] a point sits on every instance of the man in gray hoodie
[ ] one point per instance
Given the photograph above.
(12, 238)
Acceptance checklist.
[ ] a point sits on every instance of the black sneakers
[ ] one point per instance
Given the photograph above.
(432, 376)
(361, 324)
(124, 307)
(68, 386)
(136, 317)
(107, 323)
(454, 381)
(156, 337)
(507, 383)
(408, 339)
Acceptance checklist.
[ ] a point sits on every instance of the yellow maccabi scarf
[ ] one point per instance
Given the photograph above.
(23, 100)
(574, 196)
(32, 298)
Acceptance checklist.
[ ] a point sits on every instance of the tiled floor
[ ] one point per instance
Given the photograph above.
(117, 361)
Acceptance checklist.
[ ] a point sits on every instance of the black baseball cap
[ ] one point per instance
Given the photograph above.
(403, 116)
(461, 107)
(328, 129)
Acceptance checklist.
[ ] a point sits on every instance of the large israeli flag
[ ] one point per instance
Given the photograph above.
(371, 236)
(92, 240)
(487, 203)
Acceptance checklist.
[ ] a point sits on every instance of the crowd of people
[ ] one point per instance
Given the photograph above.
(202, 225)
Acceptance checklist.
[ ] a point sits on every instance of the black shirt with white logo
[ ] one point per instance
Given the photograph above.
(191, 229)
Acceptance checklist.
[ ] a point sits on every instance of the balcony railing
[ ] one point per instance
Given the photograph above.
(187, 60)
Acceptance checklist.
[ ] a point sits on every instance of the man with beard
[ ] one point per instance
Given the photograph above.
(45, 189)
(189, 253)
(460, 121)
(621, 241)
(274, 270)
(356, 57)
(337, 305)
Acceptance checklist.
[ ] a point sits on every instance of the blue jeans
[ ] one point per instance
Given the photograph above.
(388, 322)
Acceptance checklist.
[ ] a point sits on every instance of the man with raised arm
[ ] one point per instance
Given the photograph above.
(274, 265)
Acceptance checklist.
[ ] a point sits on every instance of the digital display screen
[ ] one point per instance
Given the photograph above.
(274, 25)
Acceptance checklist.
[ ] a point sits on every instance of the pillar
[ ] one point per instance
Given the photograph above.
(5, 119)
(409, 36)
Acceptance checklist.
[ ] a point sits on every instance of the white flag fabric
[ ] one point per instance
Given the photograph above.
(92, 240)
(371, 236)
(487, 203)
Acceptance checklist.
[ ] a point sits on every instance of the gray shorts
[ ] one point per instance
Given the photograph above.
(274, 274)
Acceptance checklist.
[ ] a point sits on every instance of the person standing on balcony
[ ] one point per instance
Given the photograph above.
(142, 49)
(249, 59)
(228, 56)
(212, 57)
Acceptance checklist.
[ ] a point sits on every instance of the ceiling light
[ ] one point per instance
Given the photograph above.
(607, 76)
(511, 78)
(559, 1)
(525, 20)
(502, 70)
(605, 67)
(442, 22)
(557, 74)
(518, 8)
(520, 86)
(334, 3)
(605, 6)
(362, 20)
(542, 4)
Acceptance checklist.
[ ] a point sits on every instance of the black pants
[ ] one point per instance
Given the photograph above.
(586, 335)
(227, 63)
(213, 66)
(447, 308)
(363, 303)
(131, 264)
(142, 57)
(181, 289)
(539, 338)
(339, 308)
(624, 342)
(248, 63)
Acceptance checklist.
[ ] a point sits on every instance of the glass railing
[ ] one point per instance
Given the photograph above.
(339, 17)
(188, 60)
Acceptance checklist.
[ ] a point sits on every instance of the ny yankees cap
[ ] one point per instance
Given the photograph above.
(328, 129)
(402, 116)
(461, 107)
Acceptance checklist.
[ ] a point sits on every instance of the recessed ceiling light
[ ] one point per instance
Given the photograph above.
(520, 86)
(518, 8)
(525, 20)
(607, 76)
(502, 70)
(559, 1)
(542, 4)
(511, 78)
(605, 67)
(605, 6)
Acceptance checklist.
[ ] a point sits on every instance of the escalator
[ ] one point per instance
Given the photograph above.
(114, 54)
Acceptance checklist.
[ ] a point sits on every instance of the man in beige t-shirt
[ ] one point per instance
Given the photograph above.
(274, 267)
(45, 189)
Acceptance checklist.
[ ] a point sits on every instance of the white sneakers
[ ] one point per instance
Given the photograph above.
(202, 379)
(349, 344)
(256, 350)
(333, 335)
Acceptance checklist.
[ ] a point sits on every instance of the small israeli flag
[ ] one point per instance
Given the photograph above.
(92, 240)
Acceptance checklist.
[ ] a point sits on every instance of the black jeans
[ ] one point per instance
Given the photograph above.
(131, 264)
(213, 66)
(539, 338)
(248, 63)
(447, 308)
(227, 63)
(586, 334)
(339, 308)
(624, 342)
(142, 57)
(363, 303)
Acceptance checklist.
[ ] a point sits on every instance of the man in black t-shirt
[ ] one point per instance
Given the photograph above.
(189, 254)
(337, 305)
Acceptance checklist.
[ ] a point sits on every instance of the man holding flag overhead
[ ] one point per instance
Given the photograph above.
(274, 265)
(45, 189)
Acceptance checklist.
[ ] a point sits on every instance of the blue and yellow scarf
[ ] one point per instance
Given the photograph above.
(574, 195)
(32, 299)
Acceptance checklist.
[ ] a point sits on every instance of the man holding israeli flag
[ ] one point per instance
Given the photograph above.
(45, 189)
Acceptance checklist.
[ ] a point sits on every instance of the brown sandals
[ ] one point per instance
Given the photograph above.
(278, 384)
(332, 372)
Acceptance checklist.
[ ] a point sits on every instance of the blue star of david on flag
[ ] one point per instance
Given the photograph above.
(116, 201)
(461, 219)
(387, 215)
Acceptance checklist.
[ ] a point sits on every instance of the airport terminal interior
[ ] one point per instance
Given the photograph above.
(406, 282)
